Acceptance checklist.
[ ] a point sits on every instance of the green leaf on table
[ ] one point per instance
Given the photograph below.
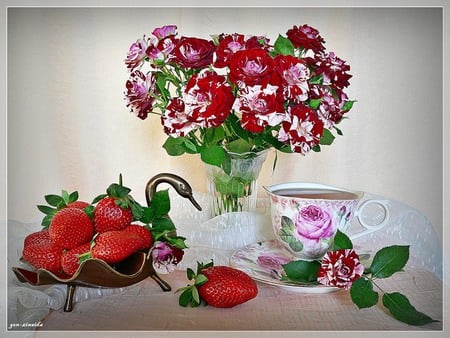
(174, 146)
(302, 271)
(341, 241)
(213, 155)
(362, 293)
(283, 46)
(389, 260)
(400, 307)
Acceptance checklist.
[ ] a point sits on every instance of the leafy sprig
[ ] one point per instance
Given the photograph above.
(386, 262)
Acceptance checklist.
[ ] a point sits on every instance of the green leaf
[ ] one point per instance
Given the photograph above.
(53, 200)
(327, 137)
(214, 135)
(98, 198)
(118, 191)
(46, 221)
(189, 146)
(389, 260)
(185, 297)
(314, 104)
(200, 279)
(65, 196)
(341, 241)
(348, 105)
(239, 146)
(283, 46)
(160, 203)
(316, 148)
(316, 79)
(362, 293)
(73, 197)
(190, 273)
(174, 146)
(46, 209)
(402, 310)
(213, 155)
(302, 271)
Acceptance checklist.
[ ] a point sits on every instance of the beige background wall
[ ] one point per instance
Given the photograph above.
(69, 128)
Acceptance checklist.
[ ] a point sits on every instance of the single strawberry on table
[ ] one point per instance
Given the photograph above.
(116, 209)
(218, 286)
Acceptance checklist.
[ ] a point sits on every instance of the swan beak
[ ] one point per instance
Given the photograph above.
(194, 202)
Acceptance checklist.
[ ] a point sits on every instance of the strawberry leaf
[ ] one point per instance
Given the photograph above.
(99, 198)
(46, 209)
(73, 197)
(53, 200)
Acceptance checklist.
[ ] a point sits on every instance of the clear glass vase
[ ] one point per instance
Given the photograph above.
(234, 185)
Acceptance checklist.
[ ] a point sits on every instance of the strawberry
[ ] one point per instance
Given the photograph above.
(37, 237)
(116, 209)
(59, 202)
(143, 232)
(110, 216)
(70, 260)
(78, 205)
(44, 255)
(218, 286)
(115, 245)
(71, 227)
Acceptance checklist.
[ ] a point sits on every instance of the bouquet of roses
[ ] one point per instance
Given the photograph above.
(236, 94)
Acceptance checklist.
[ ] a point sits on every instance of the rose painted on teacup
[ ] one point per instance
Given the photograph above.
(314, 223)
(315, 229)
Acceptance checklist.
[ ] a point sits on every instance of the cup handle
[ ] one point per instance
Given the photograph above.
(369, 228)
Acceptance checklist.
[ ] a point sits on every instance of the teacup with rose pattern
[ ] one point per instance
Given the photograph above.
(306, 216)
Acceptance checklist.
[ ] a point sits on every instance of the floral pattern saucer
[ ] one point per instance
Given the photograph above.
(263, 262)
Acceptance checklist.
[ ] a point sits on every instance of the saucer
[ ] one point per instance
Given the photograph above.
(262, 261)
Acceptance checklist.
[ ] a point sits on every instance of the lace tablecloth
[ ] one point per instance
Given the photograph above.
(32, 308)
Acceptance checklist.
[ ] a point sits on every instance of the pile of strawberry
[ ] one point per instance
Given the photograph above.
(110, 229)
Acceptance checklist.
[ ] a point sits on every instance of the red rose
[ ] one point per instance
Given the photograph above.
(294, 75)
(302, 129)
(340, 268)
(208, 99)
(251, 67)
(175, 120)
(194, 53)
(333, 69)
(306, 37)
(260, 107)
(228, 45)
